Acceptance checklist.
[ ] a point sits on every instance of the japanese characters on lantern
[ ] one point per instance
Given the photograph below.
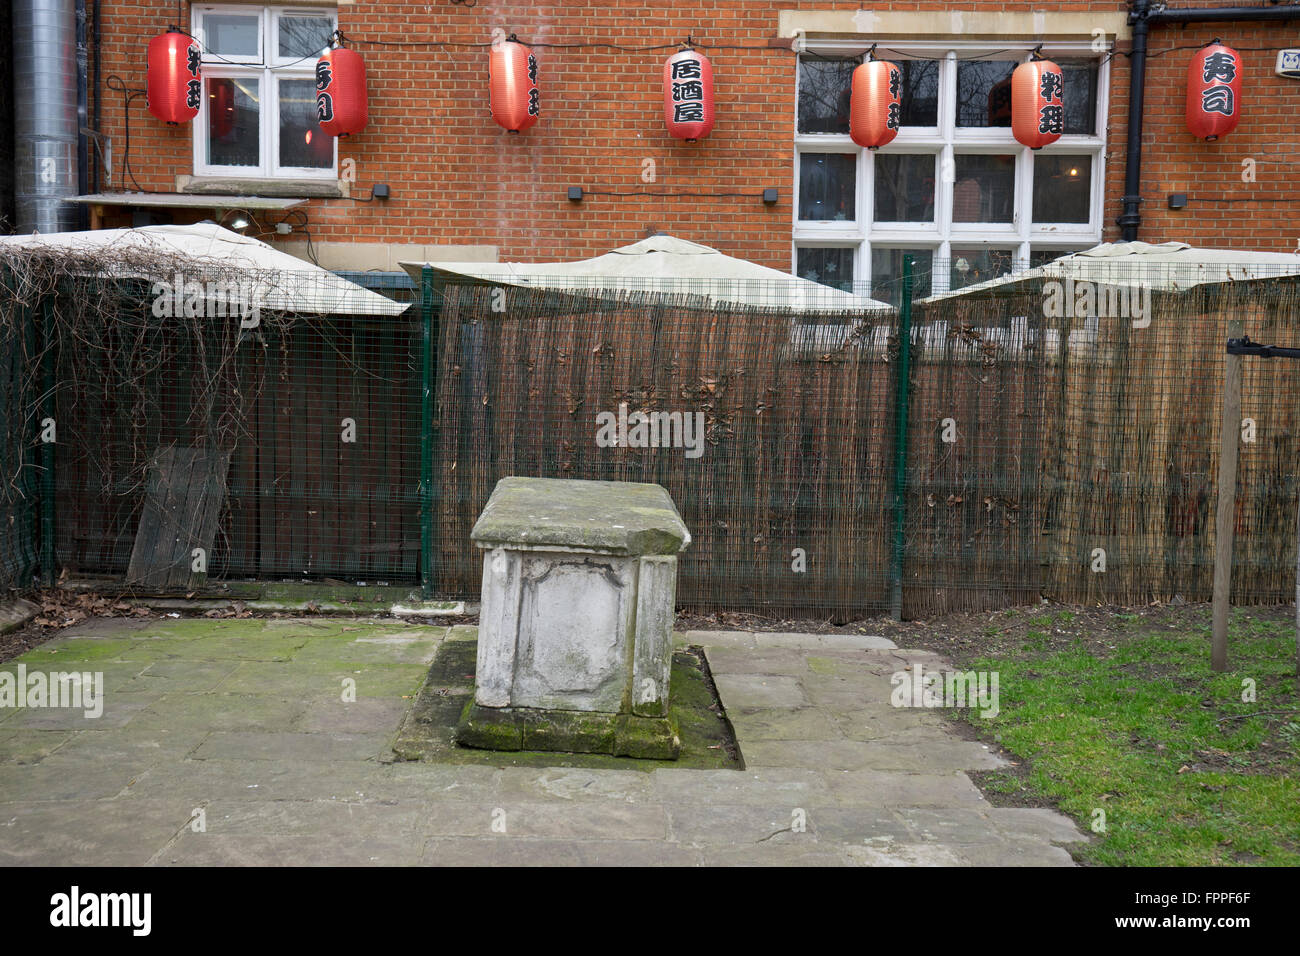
(688, 95)
(514, 96)
(1214, 92)
(1037, 103)
(875, 104)
(341, 103)
(173, 86)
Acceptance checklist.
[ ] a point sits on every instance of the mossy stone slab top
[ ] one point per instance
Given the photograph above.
(616, 517)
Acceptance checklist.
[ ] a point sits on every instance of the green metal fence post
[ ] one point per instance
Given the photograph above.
(426, 433)
(47, 447)
(901, 394)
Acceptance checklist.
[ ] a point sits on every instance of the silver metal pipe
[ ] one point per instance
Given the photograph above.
(45, 114)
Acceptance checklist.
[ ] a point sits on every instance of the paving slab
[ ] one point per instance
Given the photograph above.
(783, 723)
(740, 639)
(514, 851)
(31, 746)
(88, 833)
(292, 747)
(280, 732)
(813, 642)
(759, 690)
(341, 849)
(884, 788)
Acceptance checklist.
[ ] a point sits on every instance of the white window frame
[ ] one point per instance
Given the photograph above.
(1022, 236)
(268, 69)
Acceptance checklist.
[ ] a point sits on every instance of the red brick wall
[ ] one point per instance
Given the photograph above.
(1175, 161)
(458, 178)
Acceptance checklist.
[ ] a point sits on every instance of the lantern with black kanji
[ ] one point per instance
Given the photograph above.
(341, 105)
(875, 103)
(173, 87)
(1213, 91)
(688, 95)
(221, 108)
(1037, 103)
(515, 97)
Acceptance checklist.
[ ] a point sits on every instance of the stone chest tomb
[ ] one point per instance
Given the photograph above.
(575, 633)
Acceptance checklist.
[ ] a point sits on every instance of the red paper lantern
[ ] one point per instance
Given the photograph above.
(875, 103)
(512, 85)
(221, 108)
(341, 104)
(688, 95)
(1213, 91)
(173, 87)
(1037, 103)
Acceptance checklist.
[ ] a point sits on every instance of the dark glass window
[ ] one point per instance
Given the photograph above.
(904, 187)
(1062, 188)
(920, 92)
(984, 92)
(824, 85)
(970, 266)
(1080, 78)
(234, 123)
(832, 267)
(984, 188)
(827, 186)
(887, 274)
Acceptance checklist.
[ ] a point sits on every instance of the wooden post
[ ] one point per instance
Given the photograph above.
(1225, 516)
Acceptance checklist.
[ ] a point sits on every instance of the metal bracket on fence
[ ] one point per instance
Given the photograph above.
(1244, 346)
(1228, 480)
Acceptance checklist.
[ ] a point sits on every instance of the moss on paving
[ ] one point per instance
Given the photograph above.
(1186, 772)
(427, 734)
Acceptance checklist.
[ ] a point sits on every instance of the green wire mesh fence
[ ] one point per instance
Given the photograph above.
(1054, 446)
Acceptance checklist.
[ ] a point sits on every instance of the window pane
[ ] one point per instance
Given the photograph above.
(1080, 78)
(904, 187)
(984, 188)
(1062, 188)
(887, 274)
(1040, 257)
(301, 141)
(832, 267)
(920, 92)
(233, 125)
(827, 184)
(824, 94)
(304, 36)
(231, 34)
(984, 92)
(970, 266)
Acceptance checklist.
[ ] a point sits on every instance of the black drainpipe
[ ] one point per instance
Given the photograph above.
(1131, 218)
(95, 114)
(1140, 16)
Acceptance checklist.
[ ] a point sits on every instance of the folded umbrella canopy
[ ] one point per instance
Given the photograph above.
(205, 252)
(665, 264)
(1165, 267)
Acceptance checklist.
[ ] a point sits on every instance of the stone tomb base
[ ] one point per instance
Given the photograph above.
(571, 731)
(575, 632)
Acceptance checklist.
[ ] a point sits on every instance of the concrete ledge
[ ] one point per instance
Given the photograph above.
(964, 24)
(429, 609)
(284, 188)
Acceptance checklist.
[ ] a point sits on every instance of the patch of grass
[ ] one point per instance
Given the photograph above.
(1186, 772)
